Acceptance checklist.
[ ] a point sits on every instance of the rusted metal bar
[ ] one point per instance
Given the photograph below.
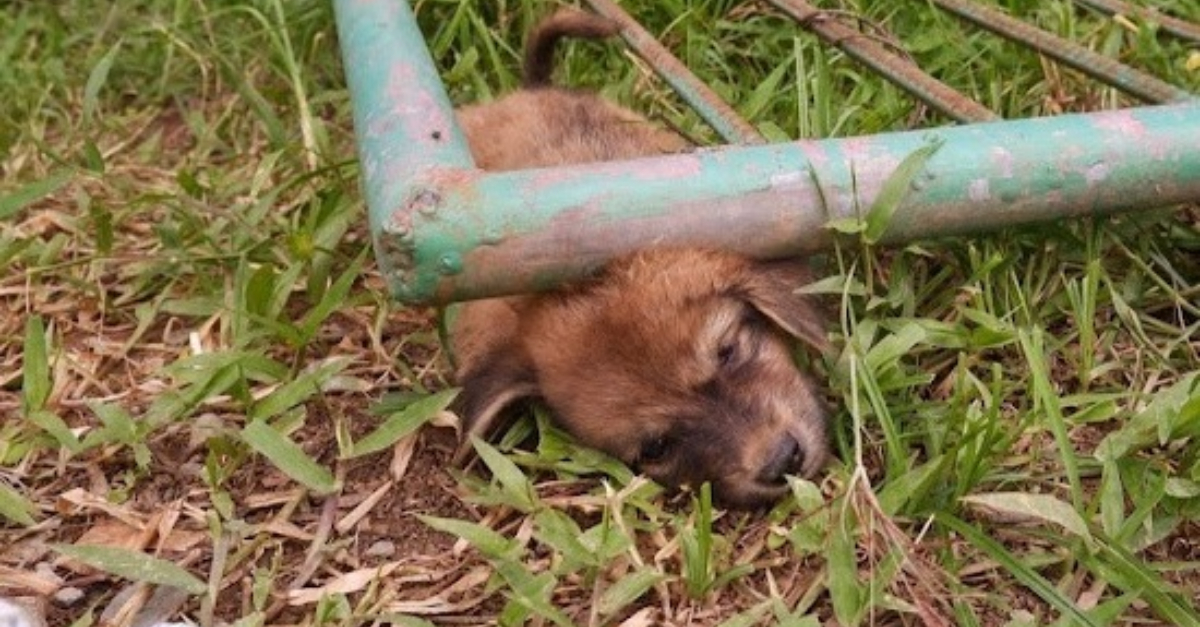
(499, 233)
(1175, 26)
(1121, 76)
(719, 115)
(903, 72)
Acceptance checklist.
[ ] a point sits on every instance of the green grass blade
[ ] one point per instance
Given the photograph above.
(1044, 507)
(35, 386)
(562, 534)
(1171, 411)
(484, 539)
(52, 424)
(869, 385)
(33, 192)
(696, 542)
(119, 427)
(894, 190)
(402, 423)
(298, 390)
(1032, 345)
(845, 590)
(288, 457)
(516, 487)
(531, 591)
(333, 298)
(628, 589)
(134, 566)
(96, 81)
(15, 507)
(1117, 565)
(765, 93)
(1022, 573)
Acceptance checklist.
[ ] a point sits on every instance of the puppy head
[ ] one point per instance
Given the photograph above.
(678, 362)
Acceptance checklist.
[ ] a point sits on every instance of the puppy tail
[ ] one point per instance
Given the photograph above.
(540, 44)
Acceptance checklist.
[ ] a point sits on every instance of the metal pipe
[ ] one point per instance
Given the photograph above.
(498, 233)
(897, 69)
(404, 123)
(1175, 26)
(444, 230)
(1098, 66)
(719, 115)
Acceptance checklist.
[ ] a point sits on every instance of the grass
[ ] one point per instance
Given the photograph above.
(210, 409)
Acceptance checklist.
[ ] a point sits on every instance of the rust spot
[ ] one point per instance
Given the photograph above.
(425, 201)
(400, 225)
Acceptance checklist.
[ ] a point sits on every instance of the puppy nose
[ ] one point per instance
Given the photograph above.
(786, 458)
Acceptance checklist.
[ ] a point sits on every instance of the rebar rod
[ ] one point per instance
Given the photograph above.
(1180, 28)
(715, 111)
(895, 68)
(1098, 66)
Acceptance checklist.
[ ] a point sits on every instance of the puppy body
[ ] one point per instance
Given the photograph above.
(549, 126)
(542, 125)
(677, 361)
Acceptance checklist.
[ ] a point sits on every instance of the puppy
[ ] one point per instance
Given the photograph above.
(542, 126)
(678, 361)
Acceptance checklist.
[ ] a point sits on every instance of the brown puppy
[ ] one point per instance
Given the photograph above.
(542, 126)
(677, 361)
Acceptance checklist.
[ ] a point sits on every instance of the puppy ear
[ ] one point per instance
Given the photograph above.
(490, 384)
(772, 287)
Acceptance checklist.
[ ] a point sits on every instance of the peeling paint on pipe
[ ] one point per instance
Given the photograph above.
(445, 230)
(541, 227)
(403, 122)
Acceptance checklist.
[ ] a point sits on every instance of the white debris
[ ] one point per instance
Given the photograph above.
(68, 596)
(13, 614)
(382, 548)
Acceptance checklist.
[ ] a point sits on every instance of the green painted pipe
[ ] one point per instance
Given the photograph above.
(446, 231)
(501, 233)
(403, 121)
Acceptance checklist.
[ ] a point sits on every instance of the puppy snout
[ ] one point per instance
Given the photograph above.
(787, 458)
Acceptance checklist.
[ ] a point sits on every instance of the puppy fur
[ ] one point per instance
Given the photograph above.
(542, 126)
(678, 361)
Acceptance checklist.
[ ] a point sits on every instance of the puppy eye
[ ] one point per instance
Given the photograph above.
(654, 449)
(727, 354)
